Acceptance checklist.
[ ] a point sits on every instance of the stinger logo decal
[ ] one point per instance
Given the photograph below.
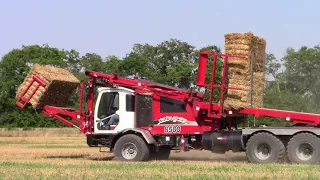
(174, 120)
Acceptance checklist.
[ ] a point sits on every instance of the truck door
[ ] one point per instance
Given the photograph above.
(107, 114)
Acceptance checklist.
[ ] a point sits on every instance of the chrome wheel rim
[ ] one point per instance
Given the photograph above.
(129, 151)
(305, 151)
(263, 151)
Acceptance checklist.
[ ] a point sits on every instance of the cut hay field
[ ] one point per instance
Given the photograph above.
(63, 154)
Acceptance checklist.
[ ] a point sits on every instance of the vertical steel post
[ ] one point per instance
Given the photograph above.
(251, 77)
(264, 75)
(213, 77)
(225, 59)
(90, 114)
(202, 68)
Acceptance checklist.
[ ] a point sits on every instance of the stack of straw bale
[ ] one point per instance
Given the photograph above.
(60, 84)
(239, 70)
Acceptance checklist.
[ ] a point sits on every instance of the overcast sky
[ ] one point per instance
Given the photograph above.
(112, 27)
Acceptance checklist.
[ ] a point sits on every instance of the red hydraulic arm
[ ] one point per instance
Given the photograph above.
(58, 113)
(113, 79)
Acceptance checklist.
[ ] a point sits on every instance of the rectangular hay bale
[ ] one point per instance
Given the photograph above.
(60, 84)
(239, 70)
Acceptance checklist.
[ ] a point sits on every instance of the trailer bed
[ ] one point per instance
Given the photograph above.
(283, 130)
(293, 116)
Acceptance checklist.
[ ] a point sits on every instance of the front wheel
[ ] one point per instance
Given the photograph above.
(304, 148)
(131, 148)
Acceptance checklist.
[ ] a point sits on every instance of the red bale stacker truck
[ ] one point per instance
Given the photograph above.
(139, 120)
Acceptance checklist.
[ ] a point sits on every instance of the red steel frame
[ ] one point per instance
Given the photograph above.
(22, 96)
(202, 68)
(215, 111)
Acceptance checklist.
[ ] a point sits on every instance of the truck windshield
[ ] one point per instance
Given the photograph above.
(109, 103)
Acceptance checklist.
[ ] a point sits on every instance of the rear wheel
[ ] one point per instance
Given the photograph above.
(264, 148)
(131, 148)
(304, 148)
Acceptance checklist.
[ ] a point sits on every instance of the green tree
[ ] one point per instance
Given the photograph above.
(172, 62)
(92, 62)
(296, 87)
(112, 64)
(73, 60)
(302, 73)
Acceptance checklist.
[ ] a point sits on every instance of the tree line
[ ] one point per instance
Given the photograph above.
(294, 84)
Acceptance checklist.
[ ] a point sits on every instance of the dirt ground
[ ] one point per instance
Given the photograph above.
(60, 137)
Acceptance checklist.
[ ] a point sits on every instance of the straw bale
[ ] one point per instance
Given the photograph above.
(237, 73)
(239, 69)
(258, 49)
(60, 84)
(245, 88)
(243, 95)
(245, 47)
(238, 82)
(231, 36)
(258, 76)
(258, 87)
(238, 41)
(239, 52)
(231, 103)
(239, 61)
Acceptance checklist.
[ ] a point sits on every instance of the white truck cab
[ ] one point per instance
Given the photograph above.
(114, 110)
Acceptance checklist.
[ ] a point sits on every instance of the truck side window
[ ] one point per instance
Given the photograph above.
(107, 102)
(130, 103)
(171, 105)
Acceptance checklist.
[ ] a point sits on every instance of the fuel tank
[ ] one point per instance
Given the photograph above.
(220, 142)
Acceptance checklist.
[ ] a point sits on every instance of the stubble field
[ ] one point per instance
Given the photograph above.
(64, 154)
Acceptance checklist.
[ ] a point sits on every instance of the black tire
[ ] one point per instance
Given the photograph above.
(139, 149)
(265, 142)
(162, 154)
(304, 148)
